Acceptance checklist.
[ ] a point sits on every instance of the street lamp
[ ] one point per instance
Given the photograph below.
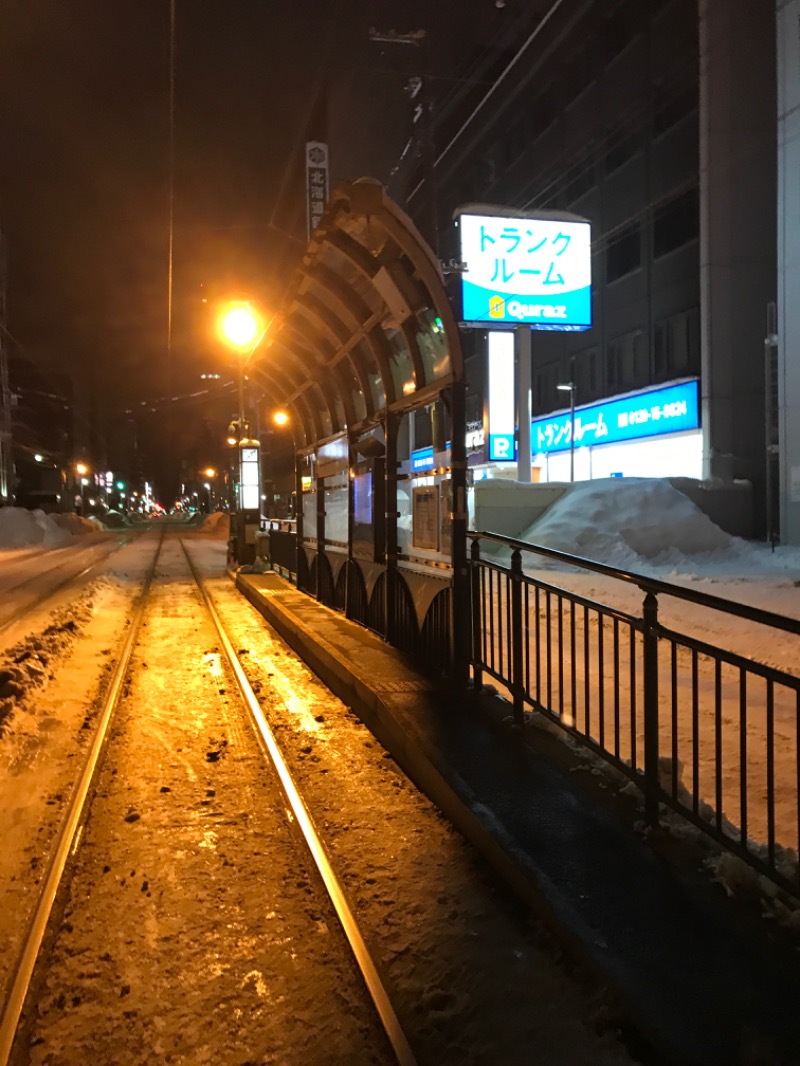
(209, 473)
(81, 470)
(239, 327)
(570, 387)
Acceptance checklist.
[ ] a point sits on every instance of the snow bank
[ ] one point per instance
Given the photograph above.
(74, 524)
(215, 525)
(20, 528)
(113, 520)
(624, 522)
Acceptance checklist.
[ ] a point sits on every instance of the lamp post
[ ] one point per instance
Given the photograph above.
(81, 470)
(210, 473)
(239, 327)
(570, 388)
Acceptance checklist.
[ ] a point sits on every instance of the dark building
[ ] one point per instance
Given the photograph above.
(657, 121)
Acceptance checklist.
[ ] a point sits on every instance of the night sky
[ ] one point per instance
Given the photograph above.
(84, 181)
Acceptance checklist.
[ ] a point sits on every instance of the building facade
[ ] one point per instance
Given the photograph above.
(671, 126)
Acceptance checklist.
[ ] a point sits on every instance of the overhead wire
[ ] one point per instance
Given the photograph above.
(537, 30)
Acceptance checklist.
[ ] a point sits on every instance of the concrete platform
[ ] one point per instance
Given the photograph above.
(702, 980)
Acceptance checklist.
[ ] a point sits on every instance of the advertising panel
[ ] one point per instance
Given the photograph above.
(425, 517)
(500, 387)
(530, 270)
(646, 414)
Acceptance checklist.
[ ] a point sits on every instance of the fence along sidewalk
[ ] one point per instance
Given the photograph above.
(707, 731)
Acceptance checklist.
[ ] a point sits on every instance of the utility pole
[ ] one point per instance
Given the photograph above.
(6, 456)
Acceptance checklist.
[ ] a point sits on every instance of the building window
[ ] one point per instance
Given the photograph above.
(514, 141)
(585, 374)
(546, 396)
(626, 360)
(672, 104)
(578, 74)
(580, 179)
(620, 27)
(676, 344)
(620, 147)
(676, 223)
(624, 253)
(542, 113)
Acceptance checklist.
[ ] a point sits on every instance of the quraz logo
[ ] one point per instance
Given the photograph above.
(497, 307)
(521, 310)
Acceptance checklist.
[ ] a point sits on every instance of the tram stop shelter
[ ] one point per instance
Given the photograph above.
(365, 339)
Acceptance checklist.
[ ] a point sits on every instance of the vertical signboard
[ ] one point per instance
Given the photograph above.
(500, 386)
(316, 182)
(525, 268)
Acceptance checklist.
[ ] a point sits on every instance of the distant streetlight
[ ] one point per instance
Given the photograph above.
(280, 418)
(570, 387)
(81, 469)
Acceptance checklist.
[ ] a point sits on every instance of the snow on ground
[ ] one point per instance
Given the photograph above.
(20, 528)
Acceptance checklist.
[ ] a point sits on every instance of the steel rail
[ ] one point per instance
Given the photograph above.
(380, 997)
(69, 836)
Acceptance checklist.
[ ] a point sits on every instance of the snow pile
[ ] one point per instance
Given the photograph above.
(28, 665)
(215, 525)
(625, 520)
(74, 524)
(629, 523)
(20, 528)
(112, 520)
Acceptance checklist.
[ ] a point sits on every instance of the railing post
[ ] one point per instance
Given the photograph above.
(477, 615)
(650, 641)
(517, 686)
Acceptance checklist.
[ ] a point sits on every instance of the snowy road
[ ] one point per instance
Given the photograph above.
(192, 933)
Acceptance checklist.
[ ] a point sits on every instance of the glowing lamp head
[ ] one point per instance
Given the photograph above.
(81, 469)
(210, 471)
(280, 418)
(239, 326)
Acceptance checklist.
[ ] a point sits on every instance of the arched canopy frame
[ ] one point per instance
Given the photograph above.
(367, 329)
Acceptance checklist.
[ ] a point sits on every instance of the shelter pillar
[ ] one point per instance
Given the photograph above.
(460, 635)
(391, 430)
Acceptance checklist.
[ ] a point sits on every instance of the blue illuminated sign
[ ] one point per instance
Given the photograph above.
(501, 448)
(531, 268)
(422, 459)
(647, 414)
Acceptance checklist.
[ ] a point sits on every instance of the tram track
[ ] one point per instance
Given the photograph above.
(191, 924)
(32, 592)
(66, 853)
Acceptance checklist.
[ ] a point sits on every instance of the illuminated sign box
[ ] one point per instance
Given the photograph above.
(422, 459)
(525, 268)
(501, 411)
(646, 414)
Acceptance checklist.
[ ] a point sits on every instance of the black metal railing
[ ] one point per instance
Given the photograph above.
(705, 731)
(283, 547)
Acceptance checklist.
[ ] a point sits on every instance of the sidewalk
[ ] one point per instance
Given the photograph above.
(701, 983)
